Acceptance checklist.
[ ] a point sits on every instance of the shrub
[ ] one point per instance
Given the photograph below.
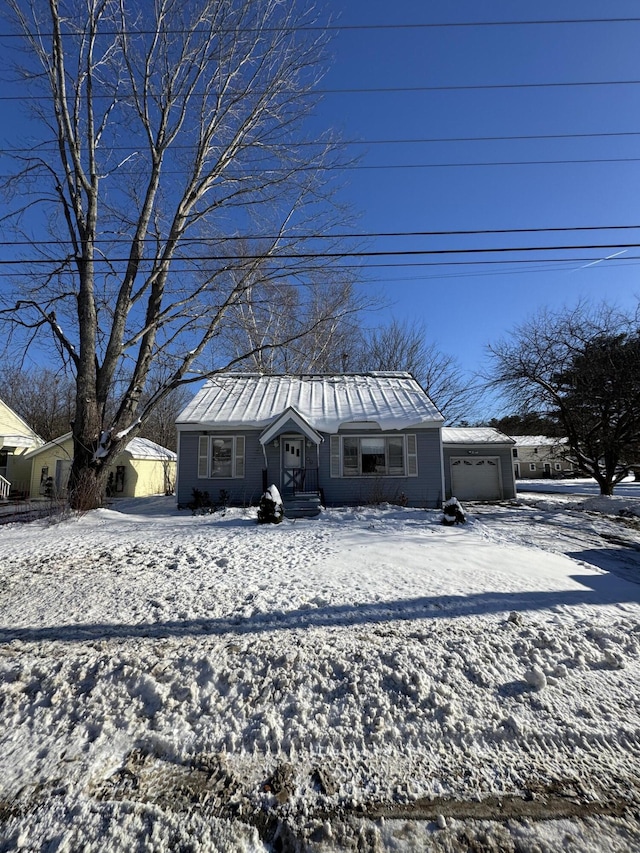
(453, 512)
(270, 509)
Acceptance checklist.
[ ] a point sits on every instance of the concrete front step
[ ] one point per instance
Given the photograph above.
(302, 506)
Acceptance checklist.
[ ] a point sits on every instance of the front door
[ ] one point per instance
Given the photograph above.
(63, 470)
(292, 464)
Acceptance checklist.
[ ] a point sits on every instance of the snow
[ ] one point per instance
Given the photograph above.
(370, 677)
(537, 441)
(389, 400)
(273, 494)
(474, 435)
(144, 448)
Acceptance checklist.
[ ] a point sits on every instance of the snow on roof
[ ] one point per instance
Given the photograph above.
(137, 448)
(391, 400)
(143, 448)
(537, 440)
(474, 435)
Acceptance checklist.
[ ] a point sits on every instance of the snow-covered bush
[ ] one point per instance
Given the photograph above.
(270, 509)
(453, 512)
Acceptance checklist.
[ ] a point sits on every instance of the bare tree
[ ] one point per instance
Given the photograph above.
(405, 346)
(44, 398)
(581, 367)
(166, 137)
(272, 312)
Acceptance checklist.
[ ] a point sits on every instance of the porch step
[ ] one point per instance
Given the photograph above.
(303, 505)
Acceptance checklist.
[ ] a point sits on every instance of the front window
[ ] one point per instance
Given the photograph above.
(221, 457)
(366, 456)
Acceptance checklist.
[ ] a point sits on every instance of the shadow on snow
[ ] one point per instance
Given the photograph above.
(597, 590)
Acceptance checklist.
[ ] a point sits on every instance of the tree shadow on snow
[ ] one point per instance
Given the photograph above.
(596, 590)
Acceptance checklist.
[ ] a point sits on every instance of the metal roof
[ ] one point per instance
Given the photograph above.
(474, 435)
(537, 440)
(326, 402)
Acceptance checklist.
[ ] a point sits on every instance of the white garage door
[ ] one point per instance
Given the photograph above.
(476, 478)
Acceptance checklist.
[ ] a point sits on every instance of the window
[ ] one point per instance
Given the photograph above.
(515, 452)
(532, 466)
(380, 455)
(45, 481)
(221, 457)
(558, 466)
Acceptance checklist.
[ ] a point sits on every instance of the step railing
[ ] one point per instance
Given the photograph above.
(5, 488)
(297, 480)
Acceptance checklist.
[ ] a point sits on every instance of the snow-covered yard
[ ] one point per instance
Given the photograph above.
(367, 680)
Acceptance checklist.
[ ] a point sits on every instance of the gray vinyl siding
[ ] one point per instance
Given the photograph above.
(504, 454)
(243, 491)
(425, 490)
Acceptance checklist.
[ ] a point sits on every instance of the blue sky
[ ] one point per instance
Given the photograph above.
(465, 307)
(405, 186)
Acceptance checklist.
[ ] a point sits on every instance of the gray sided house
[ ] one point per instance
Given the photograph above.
(341, 439)
(539, 456)
(478, 464)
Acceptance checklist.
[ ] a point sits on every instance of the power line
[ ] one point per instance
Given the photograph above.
(364, 142)
(364, 167)
(302, 256)
(367, 27)
(363, 235)
(495, 264)
(382, 90)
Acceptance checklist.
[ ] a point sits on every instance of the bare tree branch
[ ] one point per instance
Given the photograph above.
(208, 100)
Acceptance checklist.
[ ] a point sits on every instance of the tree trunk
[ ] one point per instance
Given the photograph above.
(86, 481)
(606, 486)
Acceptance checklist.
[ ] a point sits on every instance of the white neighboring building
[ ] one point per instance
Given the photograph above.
(16, 439)
(538, 456)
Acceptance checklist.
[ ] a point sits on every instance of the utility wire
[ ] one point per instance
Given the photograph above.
(191, 241)
(382, 90)
(293, 256)
(493, 264)
(364, 167)
(369, 27)
(364, 142)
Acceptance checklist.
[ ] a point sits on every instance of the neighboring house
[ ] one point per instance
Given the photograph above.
(346, 438)
(477, 463)
(142, 468)
(16, 439)
(539, 456)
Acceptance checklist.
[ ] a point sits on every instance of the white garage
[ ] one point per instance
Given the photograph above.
(476, 478)
(478, 464)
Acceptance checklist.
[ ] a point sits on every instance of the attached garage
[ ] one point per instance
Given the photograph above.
(476, 478)
(478, 464)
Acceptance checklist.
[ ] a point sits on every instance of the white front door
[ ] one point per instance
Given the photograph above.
(292, 463)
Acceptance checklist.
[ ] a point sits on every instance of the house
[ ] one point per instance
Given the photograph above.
(343, 439)
(142, 468)
(16, 440)
(539, 456)
(478, 463)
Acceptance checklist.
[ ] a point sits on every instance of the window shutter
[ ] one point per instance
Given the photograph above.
(412, 456)
(203, 456)
(239, 472)
(335, 456)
